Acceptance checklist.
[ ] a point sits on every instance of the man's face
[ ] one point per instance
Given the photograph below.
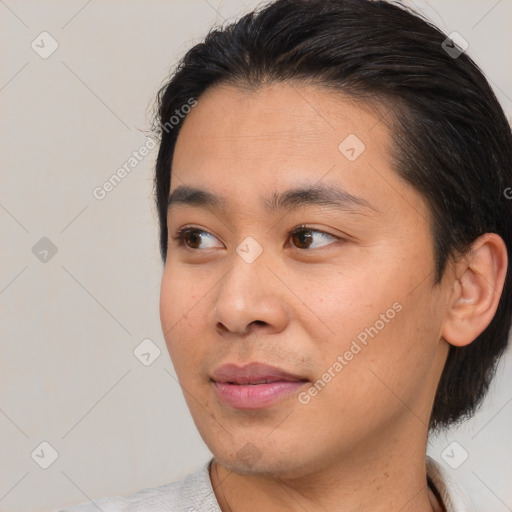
(345, 306)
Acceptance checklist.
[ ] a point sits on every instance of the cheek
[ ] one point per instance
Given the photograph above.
(383, 291)
(170, 310)
(383, 355)
(340, 306)
(181, 306)
(181, 296)
(372, 322)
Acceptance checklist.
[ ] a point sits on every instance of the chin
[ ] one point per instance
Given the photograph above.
(255, 458)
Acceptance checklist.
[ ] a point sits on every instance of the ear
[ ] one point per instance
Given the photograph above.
(479, 280)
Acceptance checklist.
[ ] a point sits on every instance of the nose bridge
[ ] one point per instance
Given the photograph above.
(248, 265)
(245, 294)
(243, 283)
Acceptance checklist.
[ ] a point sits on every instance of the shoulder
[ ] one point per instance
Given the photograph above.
(193, 493)
(451, 492)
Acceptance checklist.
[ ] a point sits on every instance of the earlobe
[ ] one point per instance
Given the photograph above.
(477, 288)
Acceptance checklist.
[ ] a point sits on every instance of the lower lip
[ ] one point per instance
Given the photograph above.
(255, 396)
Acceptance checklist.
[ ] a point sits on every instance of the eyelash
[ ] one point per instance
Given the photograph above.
(182, 232)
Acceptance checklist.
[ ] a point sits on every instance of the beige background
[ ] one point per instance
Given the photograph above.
(70, 324)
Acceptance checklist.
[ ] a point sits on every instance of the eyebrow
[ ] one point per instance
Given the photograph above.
(319, 195)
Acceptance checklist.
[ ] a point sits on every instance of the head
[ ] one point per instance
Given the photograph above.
(350, 118)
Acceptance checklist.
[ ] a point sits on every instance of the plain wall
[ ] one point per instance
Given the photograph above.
(71, 322)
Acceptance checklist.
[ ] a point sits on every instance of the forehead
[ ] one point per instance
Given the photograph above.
(246, 144)
(278, 120)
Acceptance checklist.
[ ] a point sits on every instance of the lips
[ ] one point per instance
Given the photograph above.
(254, 386)
(253, 374)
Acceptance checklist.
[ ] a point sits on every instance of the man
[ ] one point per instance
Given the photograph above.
(330, 188)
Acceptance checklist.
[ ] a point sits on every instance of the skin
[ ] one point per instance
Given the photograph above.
(360, 443)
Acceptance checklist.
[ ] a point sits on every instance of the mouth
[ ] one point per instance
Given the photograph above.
(253, 373)
(255, 385)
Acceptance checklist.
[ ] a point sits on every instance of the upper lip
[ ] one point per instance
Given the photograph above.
(252, 373)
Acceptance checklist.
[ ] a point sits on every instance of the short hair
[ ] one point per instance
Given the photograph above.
(451, 140)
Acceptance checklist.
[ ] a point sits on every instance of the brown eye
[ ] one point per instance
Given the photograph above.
(192, 238)
(304, 238)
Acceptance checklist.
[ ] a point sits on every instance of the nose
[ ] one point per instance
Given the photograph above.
(250, 298)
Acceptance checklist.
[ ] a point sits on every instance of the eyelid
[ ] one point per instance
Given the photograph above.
(181, 231)
(306, 227)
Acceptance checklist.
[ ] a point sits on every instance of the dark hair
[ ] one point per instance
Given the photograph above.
(452, 141)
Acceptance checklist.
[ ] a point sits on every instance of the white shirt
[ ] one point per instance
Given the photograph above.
(194, 493)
